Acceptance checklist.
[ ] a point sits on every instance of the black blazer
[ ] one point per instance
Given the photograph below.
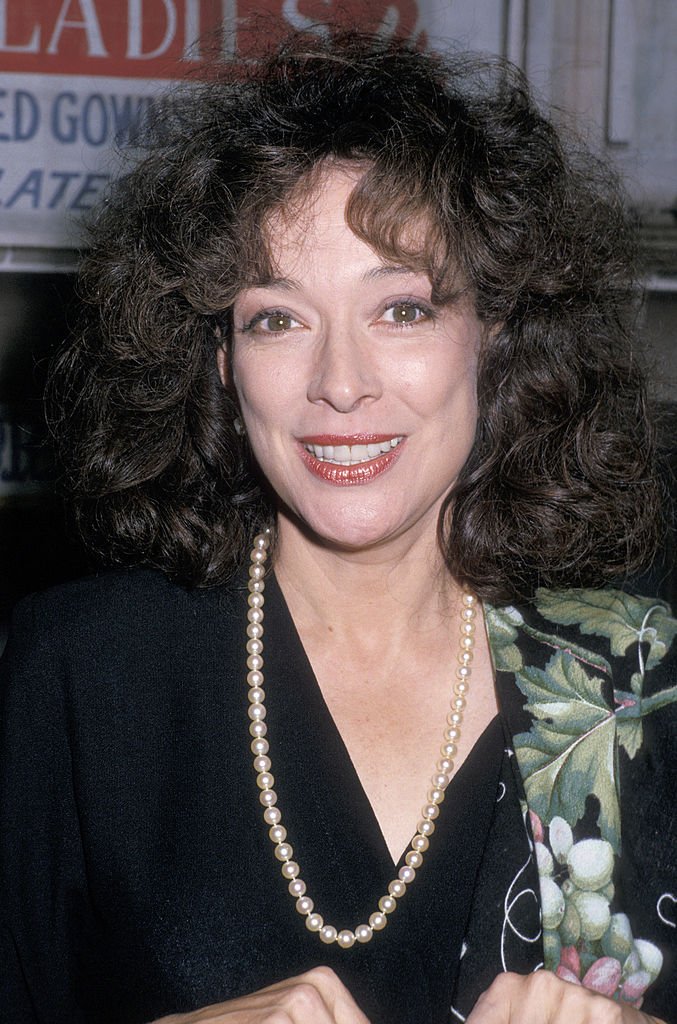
(137, 878)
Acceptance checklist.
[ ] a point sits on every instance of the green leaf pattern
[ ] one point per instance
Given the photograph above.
(570, 753)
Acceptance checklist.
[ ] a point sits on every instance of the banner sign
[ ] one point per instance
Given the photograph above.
(79, 77)
(154, 38)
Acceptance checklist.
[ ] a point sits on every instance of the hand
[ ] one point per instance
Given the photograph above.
(542, 998)
(316, 997)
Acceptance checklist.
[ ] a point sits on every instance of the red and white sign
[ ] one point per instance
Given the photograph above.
(78, 78)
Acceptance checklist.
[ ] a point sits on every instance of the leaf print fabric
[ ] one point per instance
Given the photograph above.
(586, 701)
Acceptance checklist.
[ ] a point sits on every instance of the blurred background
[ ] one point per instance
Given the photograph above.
(78, 77)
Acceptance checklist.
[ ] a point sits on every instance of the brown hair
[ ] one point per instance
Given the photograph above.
(559, 488)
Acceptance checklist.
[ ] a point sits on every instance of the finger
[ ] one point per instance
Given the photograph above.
(335, 996)
(316, 997)
(542, 998)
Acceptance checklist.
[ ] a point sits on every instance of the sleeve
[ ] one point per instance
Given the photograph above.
(43, 901)
(649, 858)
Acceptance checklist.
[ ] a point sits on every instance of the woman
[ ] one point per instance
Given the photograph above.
(360, 316)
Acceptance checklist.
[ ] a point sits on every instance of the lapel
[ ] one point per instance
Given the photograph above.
(575, 688)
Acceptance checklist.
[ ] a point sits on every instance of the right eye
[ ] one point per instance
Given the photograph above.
(274, 321)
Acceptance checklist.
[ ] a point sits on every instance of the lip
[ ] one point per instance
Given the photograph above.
(349, 439)
(349, 476)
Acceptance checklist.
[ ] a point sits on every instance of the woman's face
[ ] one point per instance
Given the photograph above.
(357, 392)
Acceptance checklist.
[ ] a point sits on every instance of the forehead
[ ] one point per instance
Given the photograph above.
(331, 210)
(312, 218)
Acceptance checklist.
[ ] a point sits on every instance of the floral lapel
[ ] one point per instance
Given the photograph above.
(574, 679)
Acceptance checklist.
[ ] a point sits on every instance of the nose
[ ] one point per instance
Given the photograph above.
(345, 373)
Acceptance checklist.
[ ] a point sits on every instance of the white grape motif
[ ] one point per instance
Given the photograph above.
(583, 941)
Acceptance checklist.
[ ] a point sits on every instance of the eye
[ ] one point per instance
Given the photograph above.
(405, 312)
(271, 321)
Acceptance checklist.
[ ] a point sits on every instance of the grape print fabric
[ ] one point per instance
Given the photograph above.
(587, 687)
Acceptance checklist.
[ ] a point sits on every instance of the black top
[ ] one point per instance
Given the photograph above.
(144, 879)
(137, 875)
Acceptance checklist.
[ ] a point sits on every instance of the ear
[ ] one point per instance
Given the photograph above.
(222, 365)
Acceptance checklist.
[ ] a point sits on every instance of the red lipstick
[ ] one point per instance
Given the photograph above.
(359, 473)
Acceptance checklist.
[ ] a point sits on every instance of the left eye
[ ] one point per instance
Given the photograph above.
(405, 313)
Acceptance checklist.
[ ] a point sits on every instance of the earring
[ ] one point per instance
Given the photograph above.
(238, 426)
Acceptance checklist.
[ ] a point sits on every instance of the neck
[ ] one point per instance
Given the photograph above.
(396, 588)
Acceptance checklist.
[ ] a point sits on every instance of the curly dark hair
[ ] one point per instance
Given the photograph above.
(560, 487)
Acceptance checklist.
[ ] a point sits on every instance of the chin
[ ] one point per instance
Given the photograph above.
(359, 532)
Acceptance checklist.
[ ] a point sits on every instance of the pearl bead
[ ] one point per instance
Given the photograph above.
(259, 746)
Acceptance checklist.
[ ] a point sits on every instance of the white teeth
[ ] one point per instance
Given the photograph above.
(351, 455)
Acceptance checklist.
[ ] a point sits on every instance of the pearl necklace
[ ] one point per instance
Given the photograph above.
(265, 780)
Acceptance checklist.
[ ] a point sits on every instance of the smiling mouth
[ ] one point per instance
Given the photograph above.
(351, 455)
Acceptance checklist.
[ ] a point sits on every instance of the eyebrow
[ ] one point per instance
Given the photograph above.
(386, 270)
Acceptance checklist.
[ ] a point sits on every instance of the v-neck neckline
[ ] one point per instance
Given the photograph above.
(338, 763)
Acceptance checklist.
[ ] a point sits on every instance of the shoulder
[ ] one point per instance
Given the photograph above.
(607, 622)
(125, 598)
(131, 618)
